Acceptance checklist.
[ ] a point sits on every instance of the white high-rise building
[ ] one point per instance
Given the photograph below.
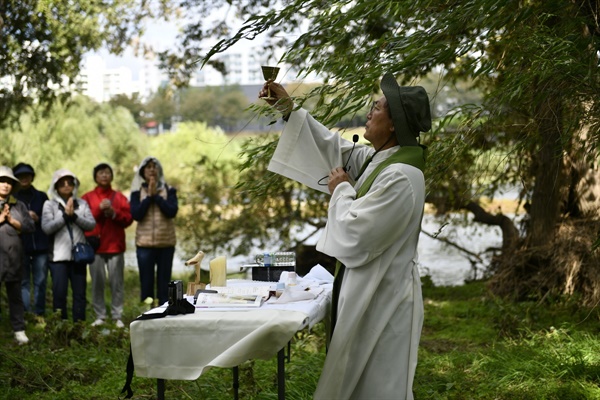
(243, 68)
(102, 83)
(117, 81)
(150, 79)
(91, 79)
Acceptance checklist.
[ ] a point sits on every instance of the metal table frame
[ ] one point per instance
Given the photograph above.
(281, 358)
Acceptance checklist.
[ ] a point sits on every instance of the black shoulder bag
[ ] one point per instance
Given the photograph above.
(83, 253)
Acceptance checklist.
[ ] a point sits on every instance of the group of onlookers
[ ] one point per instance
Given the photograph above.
(38, 232)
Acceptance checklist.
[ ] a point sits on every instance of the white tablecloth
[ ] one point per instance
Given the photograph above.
(184, 346)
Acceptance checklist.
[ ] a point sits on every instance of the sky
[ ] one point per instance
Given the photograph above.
(161, 35)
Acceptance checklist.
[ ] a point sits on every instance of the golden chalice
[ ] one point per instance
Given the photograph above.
(269, 73)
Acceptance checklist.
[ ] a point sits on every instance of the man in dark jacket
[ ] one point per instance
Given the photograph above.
(35, 245)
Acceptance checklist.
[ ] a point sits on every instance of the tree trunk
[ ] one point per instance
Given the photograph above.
(510, 233)
(545, 199)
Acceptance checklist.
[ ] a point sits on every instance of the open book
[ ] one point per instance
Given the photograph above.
(228, 300)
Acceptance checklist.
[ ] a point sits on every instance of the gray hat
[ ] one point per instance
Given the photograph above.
(409, 106)
(6, 172)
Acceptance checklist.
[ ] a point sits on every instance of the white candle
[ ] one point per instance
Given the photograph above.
(218, 271)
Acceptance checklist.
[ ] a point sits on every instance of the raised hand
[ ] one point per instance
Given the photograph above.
(4, 213)
(69, 208)
(152, 186)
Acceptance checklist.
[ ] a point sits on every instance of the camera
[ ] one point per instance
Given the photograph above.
(175, 292)
(177, 304)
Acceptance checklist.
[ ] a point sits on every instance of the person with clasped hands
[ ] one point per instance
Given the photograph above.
(14, 220)
(374, 219)
(154, 206)
(62, 212)
(111, 211)
(35, 245)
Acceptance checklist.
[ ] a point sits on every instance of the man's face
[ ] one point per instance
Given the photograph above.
(25, 180)
(103, 177)
(379, 125)
(6, 185)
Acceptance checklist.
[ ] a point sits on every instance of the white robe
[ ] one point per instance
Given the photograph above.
(373, 351)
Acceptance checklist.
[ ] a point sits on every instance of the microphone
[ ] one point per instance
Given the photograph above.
(354, 140)
(346, 168)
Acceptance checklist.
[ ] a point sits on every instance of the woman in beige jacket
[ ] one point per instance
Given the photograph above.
(154, 207)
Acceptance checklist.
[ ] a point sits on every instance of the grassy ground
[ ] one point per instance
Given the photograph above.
(473, 347)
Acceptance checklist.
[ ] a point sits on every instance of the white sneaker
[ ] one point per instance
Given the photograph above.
(120, 324)
(98, 322)
(21, 337)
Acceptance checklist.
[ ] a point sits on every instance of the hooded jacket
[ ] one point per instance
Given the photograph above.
(54, 220)
(154, 214)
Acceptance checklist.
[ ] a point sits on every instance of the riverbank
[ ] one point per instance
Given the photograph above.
(444, 263)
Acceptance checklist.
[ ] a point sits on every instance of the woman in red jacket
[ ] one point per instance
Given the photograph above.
(111, 211)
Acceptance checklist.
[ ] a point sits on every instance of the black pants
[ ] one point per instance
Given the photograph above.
(16, 308)
(63, 272)
(148, 258)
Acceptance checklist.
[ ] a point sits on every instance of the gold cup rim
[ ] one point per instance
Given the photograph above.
(269, 72)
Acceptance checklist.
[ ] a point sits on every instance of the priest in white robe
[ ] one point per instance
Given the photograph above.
(373, 225)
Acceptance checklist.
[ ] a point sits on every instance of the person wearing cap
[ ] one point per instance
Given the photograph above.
(110, 209)
(35, 245)
(14, 221)
(65, 218)
(154, 206)
(373, 225)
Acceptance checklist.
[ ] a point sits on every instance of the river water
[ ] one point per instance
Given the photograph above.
(447, 265)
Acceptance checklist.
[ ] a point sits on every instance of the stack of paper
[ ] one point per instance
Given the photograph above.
(244, 290)
(228, 300)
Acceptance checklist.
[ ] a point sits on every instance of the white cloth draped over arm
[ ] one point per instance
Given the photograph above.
(391, 199)
(307, 151)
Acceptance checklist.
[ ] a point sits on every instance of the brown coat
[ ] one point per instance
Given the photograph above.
(155, 228)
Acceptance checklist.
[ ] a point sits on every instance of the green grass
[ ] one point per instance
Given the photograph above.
(473, 347)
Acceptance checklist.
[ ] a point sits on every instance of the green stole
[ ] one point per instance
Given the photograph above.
(411, 155)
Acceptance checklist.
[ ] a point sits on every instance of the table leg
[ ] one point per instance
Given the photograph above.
(160, 389)
(281, 374)
(236, 382)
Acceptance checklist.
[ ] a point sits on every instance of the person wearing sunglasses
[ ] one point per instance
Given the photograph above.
(65, 217)
(373, 225)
